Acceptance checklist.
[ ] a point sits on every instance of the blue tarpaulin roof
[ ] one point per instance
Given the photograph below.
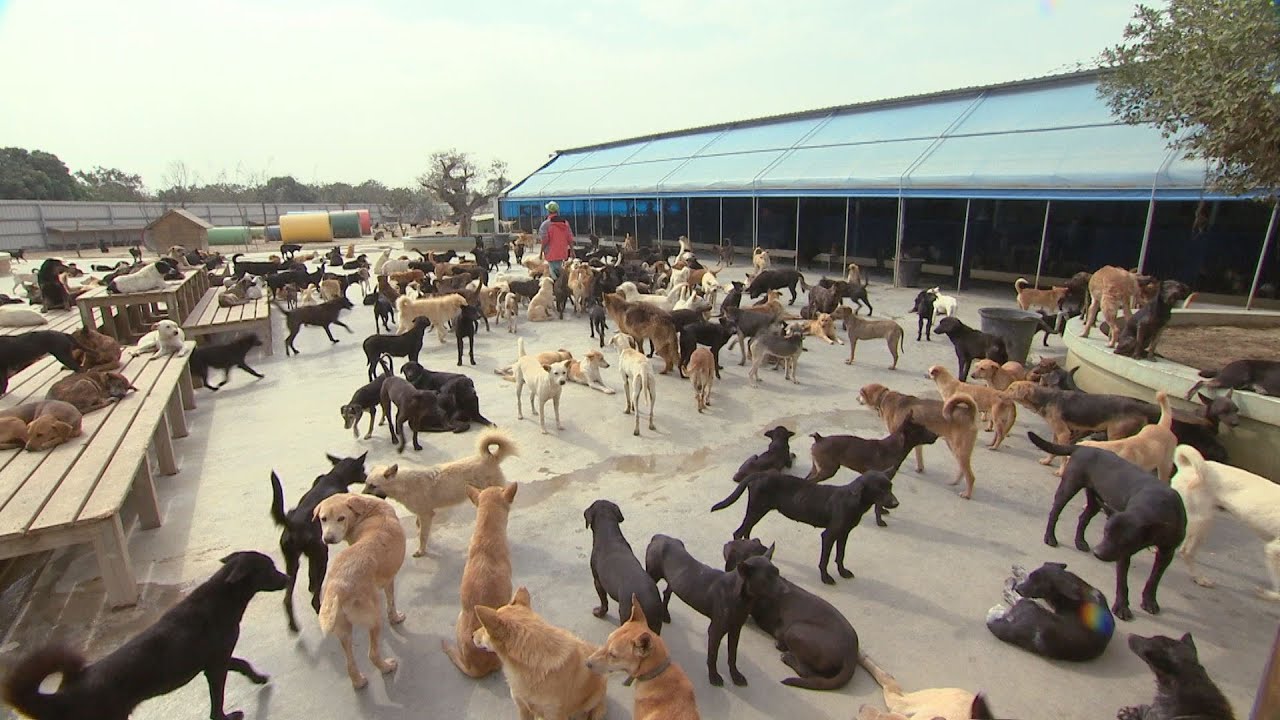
(1051, 137)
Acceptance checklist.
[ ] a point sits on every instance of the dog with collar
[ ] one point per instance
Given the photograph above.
(663, 689)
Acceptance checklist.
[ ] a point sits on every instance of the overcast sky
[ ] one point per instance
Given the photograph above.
(328, 90)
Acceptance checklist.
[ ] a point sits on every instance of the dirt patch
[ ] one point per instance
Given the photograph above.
(1212, 346)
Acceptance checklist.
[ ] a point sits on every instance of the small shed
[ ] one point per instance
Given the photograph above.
(178, 227)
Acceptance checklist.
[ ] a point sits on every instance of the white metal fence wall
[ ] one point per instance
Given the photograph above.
(26, 223)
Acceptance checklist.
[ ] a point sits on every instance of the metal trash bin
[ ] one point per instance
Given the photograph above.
(1017, 327)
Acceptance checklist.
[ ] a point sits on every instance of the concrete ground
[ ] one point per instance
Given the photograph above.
(922, 590)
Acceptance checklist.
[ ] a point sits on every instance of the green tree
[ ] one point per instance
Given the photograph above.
(455, 180)
(409, 205)
(111, 185)
(35, 175)
(1207, 73)
(286, 189)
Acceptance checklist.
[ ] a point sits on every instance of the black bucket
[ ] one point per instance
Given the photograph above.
(1017, 327)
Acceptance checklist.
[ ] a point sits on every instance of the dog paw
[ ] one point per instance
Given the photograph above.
(1131, 712)
(259, 679)
(1051, 541)
(1265, 594)
(1151, 606)
(396, 618)
(828, 579)
(715, 679)
(845, 573)
(1082, 545)
(359, 682)
(600, 611)
(881, 523)
(1123, 613)
(1205, 582)
(389, 665)
(234, 715)
(738, 678)
(419, 553)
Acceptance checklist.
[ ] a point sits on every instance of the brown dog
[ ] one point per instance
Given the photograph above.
(401, 279)
(90, 391)
(859, 328)
(645, 322)
(486, 579)
(13, 433)
(823, 327)
(374, 554)
(1029, 297)
(1000, 411)
(49, 423)
(1151, 448)
(1111, 289)
(702, 371)
(955, 420)
(998, 376)
(96, 351)
(663, 691)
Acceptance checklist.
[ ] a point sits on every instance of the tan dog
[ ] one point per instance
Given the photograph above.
(587, 371)
(425, 490)
(89, 391)
(542, 306)
(853, 275)
(581, 277)
(702, 371)
(1150, 449)
(771, 306)
(858, 328)
(491, 301)
(375, 553)
(546, 357)
(351, 251)
(546, 383)
(1000, 411)
(1111, 289)
(823, 327)
(13, 433)
(760, 260)
(439, 310)
(405, 277)
(931, 704)
(954, 420)
(486, 579)
(998, 376)
(536, 266)
(663, 691)
(637, 377)
(509, 309)
(330, 289)
(644, 322)
(1047, 300)
(545, 666)
(48, 423)
(96, 351)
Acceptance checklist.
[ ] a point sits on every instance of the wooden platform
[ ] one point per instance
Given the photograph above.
(208, 318)
(60, 320)
(76, 492)
(128, 316)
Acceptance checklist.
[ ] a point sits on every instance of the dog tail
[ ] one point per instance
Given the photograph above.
(280, 307)
(803, 285)
(819, 682)
(1188, 458)
(981, 710)
(277, 501)
(22, 687)
(1209, 373)
(1052, 448)
(1020, 283)
(329, 610)
(958, 406)
(519, 348)
(886, 681)
(1166, 413)
(733, 496)
(505, 446)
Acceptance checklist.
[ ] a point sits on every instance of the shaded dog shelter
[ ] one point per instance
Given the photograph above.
(178, 227)
(1034, 178)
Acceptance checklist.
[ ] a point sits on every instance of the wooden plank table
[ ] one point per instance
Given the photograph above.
(76, 492)
(61, 320)
(128, 316)
(208, 318)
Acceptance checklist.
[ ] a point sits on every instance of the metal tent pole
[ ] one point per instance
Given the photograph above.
(964, 243)
(1146, 231)
(1266, 243)
(897, 244)
(688, 219)
(658, 202)
(1044, 233)
(755, 223)
(721, 221)
(844, 259)
(796, 259)
(635, 219)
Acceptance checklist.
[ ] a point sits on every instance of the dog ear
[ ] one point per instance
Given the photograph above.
(521, 597)
(473, 495)
(643, 643)
(509, 492)
(1186, 640)
(586, 515)
(333, 460)
(239, 571)
(490, 620)
(768, 554)
(617, 513)
(637, 612)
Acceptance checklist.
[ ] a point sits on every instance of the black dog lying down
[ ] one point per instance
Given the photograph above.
(616, 571)
(1144, 512)
(457, 392)
(1078, 628)
(815, 639)
(1183, 689)
(777, 456)
(198, 635)
(837, 510)
(1262, 376)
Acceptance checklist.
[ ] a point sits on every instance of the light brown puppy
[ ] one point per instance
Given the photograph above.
(1000, 411)
(439, 310)
(702, 371)
(587, 371)
(1111, 289)
(536, 266)
(486, 579)
(930, 704)
(663, 691)
(760, 260)
(49, 423)
(330, 289)
(998, 376)
(858, 328)
(545, 666)
(542, 306)
(369, 564)
(1029, 297)
(425, 490)
(823, 327)
(90, 391)
(771, 306)
(955, 420)
(13, 433)
(96, 351)
(1150, 449)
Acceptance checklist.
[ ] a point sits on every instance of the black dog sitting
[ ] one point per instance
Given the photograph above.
(777, 456)
(1183, 688)
(466, 325)
(1142, 511)
(53, 292)
(19, 351)
(923, 307)
(971, 345)
(615, 569)
(1139, 336)
(198, 635)
(837, 510)
(1078, 628)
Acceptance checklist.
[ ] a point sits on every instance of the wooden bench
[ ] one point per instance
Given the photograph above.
(207, 318)
(128, 316)
(76, 493)
(60, 320)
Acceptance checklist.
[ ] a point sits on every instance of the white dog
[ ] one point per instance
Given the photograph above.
(310, 296)
(1253, 499)
(145, 279)
(167, 338)
(637, 376)
(545, 383)
(543, 302)
(945, 305)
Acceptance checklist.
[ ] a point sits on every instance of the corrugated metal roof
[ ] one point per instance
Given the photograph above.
(184, 213)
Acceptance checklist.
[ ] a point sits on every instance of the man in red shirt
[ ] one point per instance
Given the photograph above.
(557, 239)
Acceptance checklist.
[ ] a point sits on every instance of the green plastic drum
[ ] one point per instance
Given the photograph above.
(345, 224)
(229, 236)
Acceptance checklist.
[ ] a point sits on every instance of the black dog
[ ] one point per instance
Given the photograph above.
(1078, 627)
(861, 455)
(971, 344)
(732, 299)
(616, 571)
(223, 357)
(1262, 376)
(722, 596)
(1183, 688)
(815, 639)
(458, 391)
(53, 293)
(384, 311)
(747, 325)
(777, 456)
(288, 250)
(1142, 512)
(524, 288)
(599, 321)
(923, 307)
(856, 292)
(1139, 336)
(837, 510)
(321, 316)
(406, 345)
(198, 635)
(19, 351)
(465, 326)
(713, 335)
(363, 400)
(776, 280)
(423, 410)
(300, 534)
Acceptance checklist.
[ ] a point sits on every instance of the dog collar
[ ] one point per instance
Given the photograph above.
(649, 675)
